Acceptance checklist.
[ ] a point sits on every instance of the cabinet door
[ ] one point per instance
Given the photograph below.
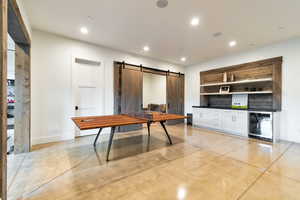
(202, 117)
(209, 118)
(227, 121)
(213, 118)
(242, 123)
(196, 116)
(235, 122)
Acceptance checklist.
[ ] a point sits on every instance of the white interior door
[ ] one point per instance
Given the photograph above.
(88, 90)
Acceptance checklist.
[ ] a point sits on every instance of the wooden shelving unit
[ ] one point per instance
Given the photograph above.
(238, 82)
(230, 93)
(261, 80)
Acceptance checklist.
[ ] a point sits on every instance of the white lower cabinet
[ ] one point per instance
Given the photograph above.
(242, 121)
(206, 117)
(229, 121)
(196, 116)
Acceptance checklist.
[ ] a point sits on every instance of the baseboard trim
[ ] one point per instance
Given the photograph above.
(60, 138)
(55, 138)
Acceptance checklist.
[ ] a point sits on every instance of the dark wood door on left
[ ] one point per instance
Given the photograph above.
(131, 94)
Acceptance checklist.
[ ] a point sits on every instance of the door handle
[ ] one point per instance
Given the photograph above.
(76, 108)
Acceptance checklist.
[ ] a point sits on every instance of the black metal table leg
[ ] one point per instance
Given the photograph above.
(148, 126)
(163, 125)
(112, 132)
(97, 136)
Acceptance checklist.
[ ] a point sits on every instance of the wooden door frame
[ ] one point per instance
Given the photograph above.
(3, 99)
(11, 22)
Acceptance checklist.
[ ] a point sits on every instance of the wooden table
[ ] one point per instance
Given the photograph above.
(113, 121)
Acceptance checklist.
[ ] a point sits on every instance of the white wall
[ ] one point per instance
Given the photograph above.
(11, 59)
(290, 118)
(24, 16)
(11, 44)
(51, 93)
(154, 89)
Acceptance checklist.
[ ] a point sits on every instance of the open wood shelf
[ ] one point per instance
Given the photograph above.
(238, 82)
(230, 93)
(260, 80)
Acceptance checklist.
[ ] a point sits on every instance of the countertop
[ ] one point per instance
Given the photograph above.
(229, 108)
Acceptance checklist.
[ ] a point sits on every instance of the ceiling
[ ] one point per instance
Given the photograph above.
(128, 25)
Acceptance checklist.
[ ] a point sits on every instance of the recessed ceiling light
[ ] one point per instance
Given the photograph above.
(84, 30)
(162, 3)
(195, 21)
(217, 34)
(146, 48)
(90, 18)
(232, 43)
(183, 59)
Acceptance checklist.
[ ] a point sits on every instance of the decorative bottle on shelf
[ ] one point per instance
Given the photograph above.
(225, 77)
(232, 77)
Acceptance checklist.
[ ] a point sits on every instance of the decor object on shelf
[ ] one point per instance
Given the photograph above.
(232, 77)
(224, 89)
(240, 101)
(225, 77)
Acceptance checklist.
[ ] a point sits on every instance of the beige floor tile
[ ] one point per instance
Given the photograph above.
(259, 154)
(223, 179)
(193, 168)
(14, 163)
(41, 167)
(201, 175)
(219, 143)
(295, 148)
(289, 164)
(273, 187)
(82, 179)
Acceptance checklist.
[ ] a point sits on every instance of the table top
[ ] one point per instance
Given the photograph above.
(93, 122)
(157, 117)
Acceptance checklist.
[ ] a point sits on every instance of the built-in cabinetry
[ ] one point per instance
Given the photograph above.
(260, 80)
(254, 86)
(229, 121)
(238, 122)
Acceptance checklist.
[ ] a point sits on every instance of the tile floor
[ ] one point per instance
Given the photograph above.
(201, 164)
